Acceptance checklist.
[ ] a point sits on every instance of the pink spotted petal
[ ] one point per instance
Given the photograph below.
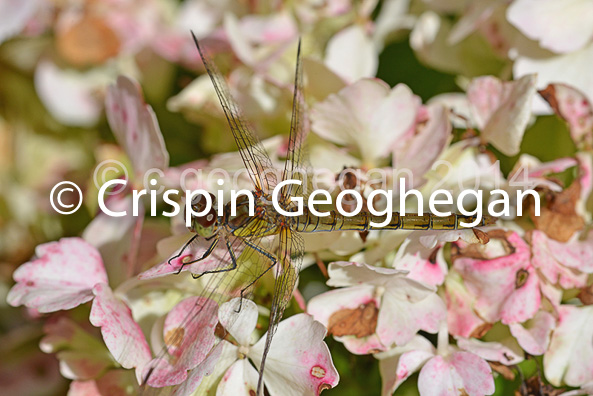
(460, 371)
(430, 136)
(506, 287)
(569, 359)
(121, 333)
(534, 335)
(189, 334)
(424, 265)
(299, 362)
(195, 377)
(574, 107)
(557, 260)
(61, 277)
(523, 303)
(218, 259)
(135, 126)
(462, 321)
(397, 364)
(502, 110)
(506, 352)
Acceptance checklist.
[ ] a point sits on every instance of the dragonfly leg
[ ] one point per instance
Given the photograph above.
(267, 254)
(206, 253)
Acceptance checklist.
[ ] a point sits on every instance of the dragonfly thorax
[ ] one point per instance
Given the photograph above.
(206, 224)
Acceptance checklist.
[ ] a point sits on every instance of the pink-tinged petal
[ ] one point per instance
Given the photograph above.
(502, 109)
(568, 68)
(432, 134)
(121, 333)
(461, 371)
(462, 321)
(352, 54)
(569, 359)
(585, 390)
(485, 96)
(322, 306)
(506, 286)
(135, 126)
(534, 335)
(299, 362)
(81, 355)
(189, 334)
(574, 107)
(475, 16)
(401, 318)
(523, 303)
(362, 345)
(397, 364)
(62, 277)
(373, 124)
(84, 388)
(14, 15)
(239, 317)
(556, 260)
(67, 94)
(506, 352)
(114, 237)
(240, 379)
(269, 29)
(343, 273)
(113, 382)
(204, 369)
(430, 239)
(557, 26)
(218, 259)
(425, 265)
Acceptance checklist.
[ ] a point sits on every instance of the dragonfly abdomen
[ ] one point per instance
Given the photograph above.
(335, 221)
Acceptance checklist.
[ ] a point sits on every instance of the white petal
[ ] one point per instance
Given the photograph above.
(68, 94)
(299, 362)
(239, 317)
(560, 26)
(351, 53)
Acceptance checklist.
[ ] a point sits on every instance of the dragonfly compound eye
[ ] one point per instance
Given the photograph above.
(199, 204)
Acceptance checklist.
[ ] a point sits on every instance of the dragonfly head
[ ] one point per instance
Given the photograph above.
(207, 224)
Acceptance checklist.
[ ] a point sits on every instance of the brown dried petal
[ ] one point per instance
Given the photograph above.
(359, 322)
(89, 41)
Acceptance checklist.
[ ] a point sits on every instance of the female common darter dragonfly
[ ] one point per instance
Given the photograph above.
(236, 249)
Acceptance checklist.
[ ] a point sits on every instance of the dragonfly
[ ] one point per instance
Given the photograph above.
(239, 244)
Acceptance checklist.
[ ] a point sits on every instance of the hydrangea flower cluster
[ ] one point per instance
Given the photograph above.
(501, 309)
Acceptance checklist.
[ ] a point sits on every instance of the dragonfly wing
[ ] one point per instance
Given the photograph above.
(256, 159)
(290, 257)
(294, 157)
(187, 344)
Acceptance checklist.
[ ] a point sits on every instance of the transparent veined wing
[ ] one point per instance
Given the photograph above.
(256, 160)
(293, 168)
(191, 332)
(290, 256)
